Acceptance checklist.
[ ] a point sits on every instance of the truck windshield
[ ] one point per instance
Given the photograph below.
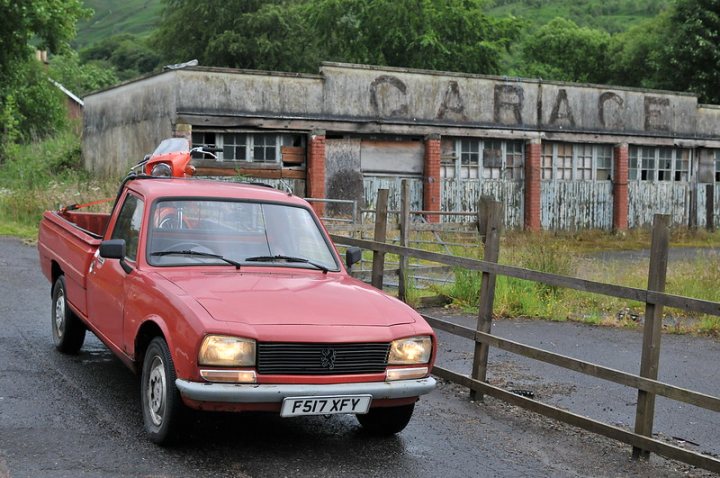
(202, 232)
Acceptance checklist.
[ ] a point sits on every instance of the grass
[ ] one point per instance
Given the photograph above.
(41, 176)
(575, 255)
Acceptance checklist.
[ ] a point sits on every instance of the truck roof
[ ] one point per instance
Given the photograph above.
(205, 188)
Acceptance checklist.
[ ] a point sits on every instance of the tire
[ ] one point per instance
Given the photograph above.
(68, 330)
(386, 421)
(161, 402)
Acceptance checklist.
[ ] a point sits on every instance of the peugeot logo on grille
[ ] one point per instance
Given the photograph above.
(327, 358)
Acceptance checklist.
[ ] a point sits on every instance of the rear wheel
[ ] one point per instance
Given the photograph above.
(386, 420)
(68, 329)
(161, 402)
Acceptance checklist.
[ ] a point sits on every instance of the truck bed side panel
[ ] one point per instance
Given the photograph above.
(72, 249)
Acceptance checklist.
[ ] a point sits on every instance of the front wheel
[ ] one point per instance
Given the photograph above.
(161, 402)
(68, 329)
(386, 420)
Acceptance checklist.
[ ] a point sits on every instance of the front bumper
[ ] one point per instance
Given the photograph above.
(275, 393)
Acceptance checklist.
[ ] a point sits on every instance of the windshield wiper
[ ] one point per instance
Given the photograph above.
(278, 257)
(189, 252)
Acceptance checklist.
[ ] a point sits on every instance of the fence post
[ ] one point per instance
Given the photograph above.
(493, 222)
(404, 240)
(645, 411)
(381, 211)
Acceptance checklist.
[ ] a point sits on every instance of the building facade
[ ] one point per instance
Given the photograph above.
(559, 155)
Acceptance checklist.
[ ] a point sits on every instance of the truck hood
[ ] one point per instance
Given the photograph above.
(279, 298)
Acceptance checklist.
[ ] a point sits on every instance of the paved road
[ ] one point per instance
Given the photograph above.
(63, 416)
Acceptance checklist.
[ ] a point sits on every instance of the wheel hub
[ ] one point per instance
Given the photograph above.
(156, 391)
(60, 314)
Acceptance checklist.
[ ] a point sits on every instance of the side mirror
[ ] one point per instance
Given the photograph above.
(352, 256)
(115, 249)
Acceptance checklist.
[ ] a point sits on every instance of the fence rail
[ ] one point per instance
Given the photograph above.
(646, 382)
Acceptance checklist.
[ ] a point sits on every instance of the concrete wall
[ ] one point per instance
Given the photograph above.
(231, 92)
(708, 122)
(419, 97)
(122, 124)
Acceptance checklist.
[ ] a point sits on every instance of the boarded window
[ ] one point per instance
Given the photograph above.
(492, 159)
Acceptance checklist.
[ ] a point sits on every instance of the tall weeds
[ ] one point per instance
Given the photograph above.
(44, 175)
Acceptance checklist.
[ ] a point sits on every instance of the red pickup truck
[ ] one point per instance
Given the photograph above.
(232, 297)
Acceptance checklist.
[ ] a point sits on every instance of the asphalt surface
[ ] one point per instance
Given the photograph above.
(79, 416)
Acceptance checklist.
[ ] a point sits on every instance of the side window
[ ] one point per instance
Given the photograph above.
(128, 225)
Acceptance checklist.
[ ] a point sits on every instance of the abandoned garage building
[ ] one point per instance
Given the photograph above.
(558, 155)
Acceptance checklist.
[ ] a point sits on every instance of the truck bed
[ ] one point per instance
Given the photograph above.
(67, 242)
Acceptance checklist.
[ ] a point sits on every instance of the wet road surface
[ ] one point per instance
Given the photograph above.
(79, 416)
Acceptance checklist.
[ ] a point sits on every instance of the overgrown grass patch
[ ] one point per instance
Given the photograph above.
(553, 253)
(44, 175)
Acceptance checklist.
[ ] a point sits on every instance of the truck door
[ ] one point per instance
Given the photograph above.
(106, 287)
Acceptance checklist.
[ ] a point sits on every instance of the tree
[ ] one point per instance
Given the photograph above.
(561, 50)
(450, 35)
(636, 56)
(81, 78)
(295, 35)
(252, 34)
(30, 106)
(50, 22)
(127, 54)
(33, 107)
(692, 50)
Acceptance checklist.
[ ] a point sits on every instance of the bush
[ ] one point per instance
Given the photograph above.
(44, 175)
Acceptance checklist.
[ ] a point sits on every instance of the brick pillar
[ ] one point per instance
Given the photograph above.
(533, 150)
(620, 187)
(431, 177)
(315, 178)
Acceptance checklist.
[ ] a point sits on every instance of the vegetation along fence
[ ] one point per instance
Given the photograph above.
(647, 385)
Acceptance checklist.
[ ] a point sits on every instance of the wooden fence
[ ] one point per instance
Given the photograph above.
(646, 383)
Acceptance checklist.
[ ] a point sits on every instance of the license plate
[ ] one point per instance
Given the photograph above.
(299, 406)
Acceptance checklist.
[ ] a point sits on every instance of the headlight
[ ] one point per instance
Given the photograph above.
(162, 170)
(224, 351)
(410, 351)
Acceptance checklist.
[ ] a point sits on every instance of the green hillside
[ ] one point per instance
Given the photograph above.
(113, 17)
(610, 15)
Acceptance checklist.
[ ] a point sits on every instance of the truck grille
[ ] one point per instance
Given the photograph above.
(321, 359)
